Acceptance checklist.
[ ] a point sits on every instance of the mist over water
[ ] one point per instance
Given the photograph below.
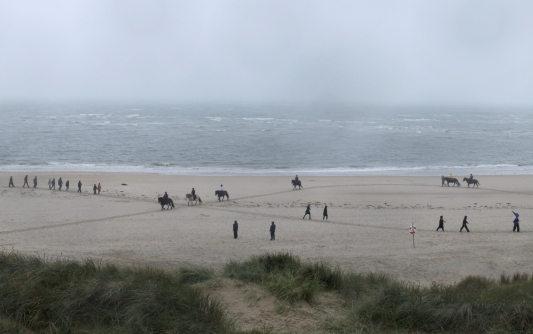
(265, 139)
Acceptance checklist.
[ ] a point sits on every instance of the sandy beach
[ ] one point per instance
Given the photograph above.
(367, 228)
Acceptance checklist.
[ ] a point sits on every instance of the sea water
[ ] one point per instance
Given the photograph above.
(264, 139)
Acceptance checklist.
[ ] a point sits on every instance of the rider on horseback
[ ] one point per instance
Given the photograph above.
(221, 188)
(471, 178)
(296, 179)
(165, 196)
(193, 193)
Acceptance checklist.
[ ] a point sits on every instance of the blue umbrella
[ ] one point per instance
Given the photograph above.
(516, 214)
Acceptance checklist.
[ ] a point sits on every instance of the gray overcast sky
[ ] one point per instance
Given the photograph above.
(366, 52)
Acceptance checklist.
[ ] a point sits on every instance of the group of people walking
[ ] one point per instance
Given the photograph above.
(52, 184)
(516, 223)
(308, 212)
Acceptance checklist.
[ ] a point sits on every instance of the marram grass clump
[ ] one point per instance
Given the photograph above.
(69, 296)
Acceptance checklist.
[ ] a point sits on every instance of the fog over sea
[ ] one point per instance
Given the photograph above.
(264, 139)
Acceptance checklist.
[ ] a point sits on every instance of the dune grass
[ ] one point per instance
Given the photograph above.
(69, 296)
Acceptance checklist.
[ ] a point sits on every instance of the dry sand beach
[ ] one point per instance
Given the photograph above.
(367, 228)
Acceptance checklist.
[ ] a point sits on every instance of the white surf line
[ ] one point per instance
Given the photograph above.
(75, 223)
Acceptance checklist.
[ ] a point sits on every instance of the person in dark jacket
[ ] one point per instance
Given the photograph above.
(53, 183)
(79, 186)
(464, 226)
(60, 183)
(441, 224)
(235, 229)
(325, 214)
(471, 178)
(193, 193)
(94, 189)
(35, 182)
(67, 184)
(272, 231)
(308, 211)
(516, 222)
(25, 182)
(11, 182)
(165, 196)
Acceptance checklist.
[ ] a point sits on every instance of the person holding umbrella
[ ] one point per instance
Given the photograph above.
(516, 222)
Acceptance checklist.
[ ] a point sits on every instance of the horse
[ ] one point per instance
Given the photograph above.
(165, 201)
(221, 194)
(190, 197)
(454, 181)
(474, 181)
(296, 183)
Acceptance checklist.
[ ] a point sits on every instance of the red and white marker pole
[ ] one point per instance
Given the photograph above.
(412, 230)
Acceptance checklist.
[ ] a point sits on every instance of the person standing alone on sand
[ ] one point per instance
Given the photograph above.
(235, 229)
(272, 231)
(464, 226)
(35, 182)
(11, 182)
(25, 182)
(516, 222)
(308, 211)
(67, 185)
(99, 187)
(79, 186)
(441, 224)
(325, 214)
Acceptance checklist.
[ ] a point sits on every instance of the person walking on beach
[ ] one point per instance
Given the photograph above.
(35, 182)
(441, 224)
(11, 182)
(464, 226)
(516, 222)
(325, 214)
(60, 183)
(53, 183)
(79, 186)
(99, 187)
(49, 183)
(193, 193)
(25, 182)
(308, 211)
(67, 184)
(272, 231)
(235, 229)
(94, 189)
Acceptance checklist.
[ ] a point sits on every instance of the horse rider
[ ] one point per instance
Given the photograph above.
(193, 193)
(471, 178)
(296, 179)
(165, 196)
(451, 176)
(221, 188)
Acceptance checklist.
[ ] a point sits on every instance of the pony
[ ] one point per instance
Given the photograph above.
(165, 201)
(191, 199)
(296, 183)
(454, 181)
(221, 194)
(469, 182)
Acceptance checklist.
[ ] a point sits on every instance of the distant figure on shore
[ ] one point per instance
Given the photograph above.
(441, 224)
(516, 222)
(67, 185)
(193, 193)
(35, 182)
(221, 188)
(95, 188)
(464, 226)
(54, 183)
(25, 182)
(11, 182)
(79, 186)
(99, 187)
(60, 183)
(49, 183)
(325, 214)
(308, 211)
(235, 229)
(165, 196)
(272, 231)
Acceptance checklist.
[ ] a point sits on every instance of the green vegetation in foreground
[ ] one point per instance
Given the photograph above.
(378, 303)
(69, 296)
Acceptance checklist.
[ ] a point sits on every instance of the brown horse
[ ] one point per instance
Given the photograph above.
(191, 199)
